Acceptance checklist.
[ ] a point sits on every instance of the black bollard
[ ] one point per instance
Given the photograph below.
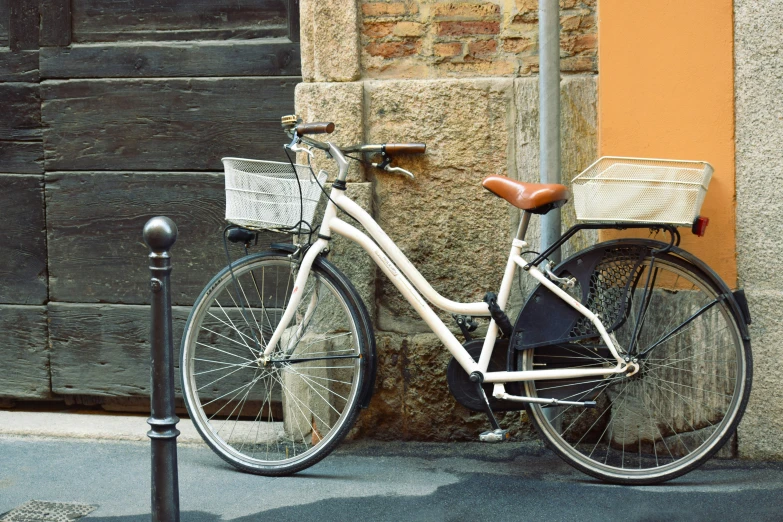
(160, 233)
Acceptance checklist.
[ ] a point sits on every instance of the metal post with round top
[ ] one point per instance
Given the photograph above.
(160, 233)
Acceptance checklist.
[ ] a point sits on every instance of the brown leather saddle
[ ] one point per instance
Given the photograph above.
(536, 198)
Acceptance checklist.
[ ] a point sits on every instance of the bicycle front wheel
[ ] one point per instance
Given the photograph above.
(278, 417)
(689, 394)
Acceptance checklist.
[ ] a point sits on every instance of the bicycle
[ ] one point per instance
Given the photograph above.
(631, 357)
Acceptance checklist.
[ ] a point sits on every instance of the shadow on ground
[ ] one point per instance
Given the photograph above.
(501, 498)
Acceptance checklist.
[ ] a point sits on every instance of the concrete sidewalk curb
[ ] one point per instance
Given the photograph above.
(86, 426)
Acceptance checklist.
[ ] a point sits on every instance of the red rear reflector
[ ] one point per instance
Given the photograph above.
(700, 225)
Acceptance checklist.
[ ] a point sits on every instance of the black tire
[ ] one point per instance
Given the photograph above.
(284, 416)
(683, 404)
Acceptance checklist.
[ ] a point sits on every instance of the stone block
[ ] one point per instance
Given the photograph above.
(578, 145)
(412, 399)
(759, 162)
(305, 413)
(350, 258)
(306, 39)
(341, 103)
(24, 352)
(760, 434)
(330, 40)
(455, 232)
(759, 157)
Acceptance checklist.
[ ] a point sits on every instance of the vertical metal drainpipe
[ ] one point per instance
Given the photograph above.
(549, 112)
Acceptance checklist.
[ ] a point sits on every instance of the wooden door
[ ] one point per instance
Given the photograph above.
(111, 112)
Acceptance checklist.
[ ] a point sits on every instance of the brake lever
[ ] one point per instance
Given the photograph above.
(388, 168)
(295, 147)
(385, 164)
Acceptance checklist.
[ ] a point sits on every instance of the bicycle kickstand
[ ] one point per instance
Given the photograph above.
(496, 434)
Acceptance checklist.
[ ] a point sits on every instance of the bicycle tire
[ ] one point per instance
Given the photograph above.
(280, 418)
(691, 391)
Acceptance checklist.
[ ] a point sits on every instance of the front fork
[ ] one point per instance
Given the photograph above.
(293, 304)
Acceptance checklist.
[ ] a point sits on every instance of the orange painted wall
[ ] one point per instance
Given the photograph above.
(666, 90)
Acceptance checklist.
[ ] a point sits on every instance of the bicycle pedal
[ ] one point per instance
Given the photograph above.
(494, 436)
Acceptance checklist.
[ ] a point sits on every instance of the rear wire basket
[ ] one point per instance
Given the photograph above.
(616, 189)
(265, 195)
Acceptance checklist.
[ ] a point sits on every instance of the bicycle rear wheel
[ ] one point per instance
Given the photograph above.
(286, 415)
(689, 394)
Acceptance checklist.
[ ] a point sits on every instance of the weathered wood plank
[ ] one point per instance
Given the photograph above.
(163, 124)
(21, 147)
(292, 7)
(55, 22)
(19, 66)
(23, 25)
(22, 240)
(21, 157)
(5, 16)
(101, 20)
(24, 352)
(94, 223)
(186, 35)
(21, 119)
(277, 57)
(104, 349)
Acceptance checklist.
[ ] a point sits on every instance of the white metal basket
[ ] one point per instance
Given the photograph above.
(616, 189)
(266, 195)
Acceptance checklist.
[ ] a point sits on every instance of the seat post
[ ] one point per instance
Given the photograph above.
(522, 230)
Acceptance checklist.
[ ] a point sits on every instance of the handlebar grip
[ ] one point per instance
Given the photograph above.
(405, 148)
(324, 127)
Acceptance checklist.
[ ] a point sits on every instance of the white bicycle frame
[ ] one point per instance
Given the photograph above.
(412, 285)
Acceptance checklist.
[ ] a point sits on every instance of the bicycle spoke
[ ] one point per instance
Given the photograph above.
(666, 336)
(218, 379)
(225, 352)
(291, 411)
(669, 415)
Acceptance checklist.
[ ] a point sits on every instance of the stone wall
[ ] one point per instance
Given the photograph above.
(759, 133)
(385, 83)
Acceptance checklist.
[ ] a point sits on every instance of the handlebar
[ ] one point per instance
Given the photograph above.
(389, 148)
(315, 128)
(298, 131)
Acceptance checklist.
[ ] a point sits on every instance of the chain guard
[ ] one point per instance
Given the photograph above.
(464, 391)
(606, 275)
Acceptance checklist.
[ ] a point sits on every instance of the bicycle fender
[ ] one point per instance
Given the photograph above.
(736, 299)
(368, 386)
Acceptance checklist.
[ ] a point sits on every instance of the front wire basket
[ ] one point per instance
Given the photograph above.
(616, 189)
(265, 195)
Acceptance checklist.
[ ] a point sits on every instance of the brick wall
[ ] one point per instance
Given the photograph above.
(425, 39)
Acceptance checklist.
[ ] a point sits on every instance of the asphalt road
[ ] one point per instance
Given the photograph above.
(380, 481)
